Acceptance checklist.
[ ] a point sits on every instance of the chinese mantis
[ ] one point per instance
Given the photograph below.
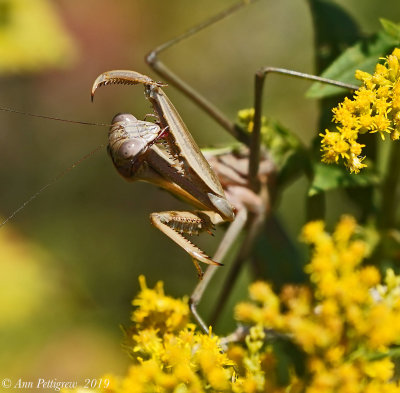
(182, 169)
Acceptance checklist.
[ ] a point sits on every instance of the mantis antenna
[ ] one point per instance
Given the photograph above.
(51, 182)
(62, 173)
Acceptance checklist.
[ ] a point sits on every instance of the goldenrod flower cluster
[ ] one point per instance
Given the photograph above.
(344, 325)
(169, 353)
(246, 119)
(374, 108)
(280, 142)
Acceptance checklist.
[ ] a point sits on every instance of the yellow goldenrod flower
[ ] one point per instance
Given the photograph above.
(155, 310)
(169, 353)
(380, 369)
(343, 325)
(246, 118)
(347, 317)
(374, 108)
(313, 231)
(345, 229)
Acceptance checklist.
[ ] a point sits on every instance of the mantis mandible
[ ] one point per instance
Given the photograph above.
(177, 165)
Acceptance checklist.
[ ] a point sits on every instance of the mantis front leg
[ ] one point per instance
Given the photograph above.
(176, 223)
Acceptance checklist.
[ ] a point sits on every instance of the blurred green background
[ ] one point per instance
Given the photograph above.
(69, 261)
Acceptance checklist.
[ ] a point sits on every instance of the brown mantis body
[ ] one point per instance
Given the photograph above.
(177, 165)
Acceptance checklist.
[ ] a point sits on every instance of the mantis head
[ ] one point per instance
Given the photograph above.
(128, 141)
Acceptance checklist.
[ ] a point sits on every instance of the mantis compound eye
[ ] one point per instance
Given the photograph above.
(124, 117)
(132, 148)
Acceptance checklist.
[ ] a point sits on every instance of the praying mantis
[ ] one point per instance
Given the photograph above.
(180, 168)
(187, 159)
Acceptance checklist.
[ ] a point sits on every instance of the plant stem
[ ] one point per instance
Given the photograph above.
(387, 218)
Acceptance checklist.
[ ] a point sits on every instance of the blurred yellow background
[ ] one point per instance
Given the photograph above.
(69, 261)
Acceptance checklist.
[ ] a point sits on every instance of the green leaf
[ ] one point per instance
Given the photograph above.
(295, 163)
(274, 244)
(289, 357)
(286, 149)
(391, 28)
(335, 29)
(330, 177)
(364, 55)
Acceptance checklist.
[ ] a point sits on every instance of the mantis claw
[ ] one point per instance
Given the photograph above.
(123, 77)
(200, 273)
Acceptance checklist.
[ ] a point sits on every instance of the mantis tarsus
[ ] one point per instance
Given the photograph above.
(253, 219)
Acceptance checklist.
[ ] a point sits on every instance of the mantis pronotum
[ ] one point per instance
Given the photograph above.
(254, 219)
